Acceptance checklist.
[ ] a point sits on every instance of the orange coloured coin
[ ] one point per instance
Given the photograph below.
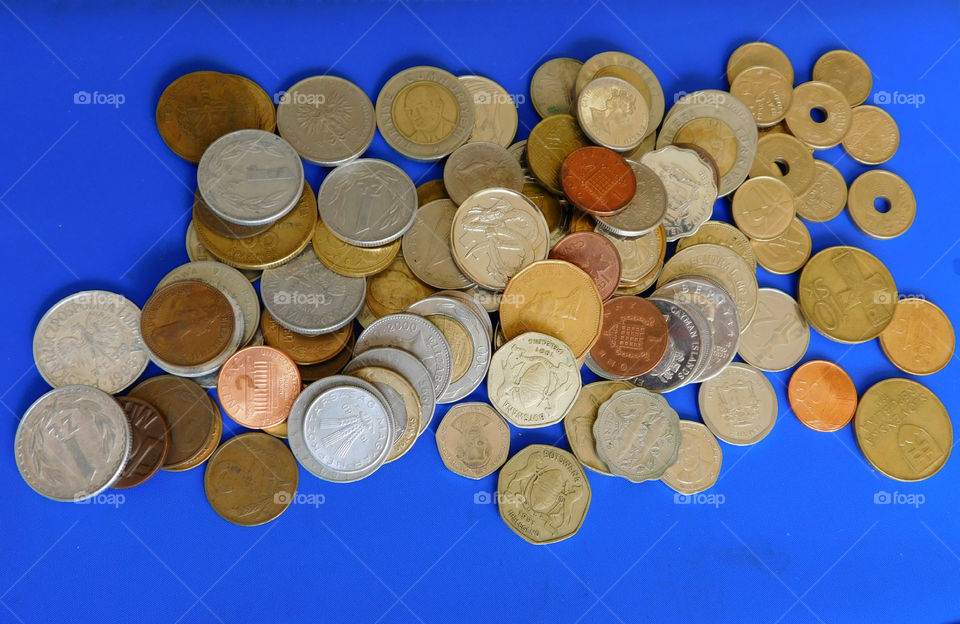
(822, 396)
(633, 339)
(598, 181)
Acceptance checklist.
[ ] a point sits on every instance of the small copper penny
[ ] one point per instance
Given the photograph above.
(634, 337)
(187, 323)
(593, 253)
(822, 396)
(151, 441)
(303, 349)
(257, 386)
(598, 181)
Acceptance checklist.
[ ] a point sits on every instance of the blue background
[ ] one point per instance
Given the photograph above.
(90, 197)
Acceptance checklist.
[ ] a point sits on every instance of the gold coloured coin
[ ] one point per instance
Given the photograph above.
(763, 208)
(819, 115)
(638, 256)
(847, 72)
(430, 191)
(758, 54)
(920, 338)
(873, 137)
(714, 137)
(552, 87)
(332, 366)
(396, 288)
(903, 430)
(847, 294)
(881, 204)
(698, 460)
(582, 222)
(633, 70)
(725, 235)
(461, 346)
(550, 142)
(346, 259)
(766, 93)
(302, 349)
(785, 158)
(578, 423)
(786, 253)
(473, 440)
(554, 212)
(277, 431)
(826, 196)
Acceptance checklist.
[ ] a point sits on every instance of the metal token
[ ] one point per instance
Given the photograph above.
(765, 91)
(550, 142)
(685, 352)
(394, 288)
(578, 423)
(302, 349)
(785, 158)
(920, 338)
(401, 400)
(873, 137)
(690, 189)
(411, 369)
(822, 396)
(473, 440)
(826, 195)
(198, 253)
(416, 335)
(634, 337)
(778, 336)
(786, 253)
(723, 234)
(758, 54)
(257, 386)
(350, 260)
(763, 208)
(631, 69)
(595, 255)
(477, 166)
(847, 72)
(739, 405)
(818, 98)
(151, 441)
(597, 180)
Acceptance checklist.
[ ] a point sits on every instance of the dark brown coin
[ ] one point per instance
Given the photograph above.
(634, 337)
(187, 323)
(304, 350)
(215, 224)
(151, 441)
(593, 253)
(598, 181)
(192, 416)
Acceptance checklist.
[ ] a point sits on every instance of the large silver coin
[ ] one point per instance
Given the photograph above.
(480, 165)
(611, 63)
(494, 111)
(426, 246)
(684, 351)
(778, 336)
(72, 443)
(328, 120)
(306, 297)
(739, 405)
(408, 366)
(417, 336)
(637, 434)
(690, 185)
(250, 177)
(368, 202)
(90, 338)
(475, 304)
(644, 212)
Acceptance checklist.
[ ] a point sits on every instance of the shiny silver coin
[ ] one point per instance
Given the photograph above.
(417, 336)
(706, 339)
(778, 336)
(475, 304)
(612, 63)
(72, 443)
(410, 368)
(328, 120)
(198, 253)
(306, 297)
(613, 113)
(368, 202)
(644, 212)
(90, 338)
(690, 185)
(684, 351)
(740, 405)
(250, 177)
(478, 166)
(426, 246)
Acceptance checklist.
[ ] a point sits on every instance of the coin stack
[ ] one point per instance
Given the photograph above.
(559, 233)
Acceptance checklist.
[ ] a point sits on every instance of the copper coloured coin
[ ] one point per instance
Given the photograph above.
(598, 181)
(595, 255)
(151, 441)
(634, 337)
(822, 396)
(257, 386)
(187, 323)
(303, 349)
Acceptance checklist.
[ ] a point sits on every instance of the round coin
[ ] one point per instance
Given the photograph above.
(394, 289)
(302, 349)
(552, 86)
(758, 54)
(549, 144)
(685, 355)
(198, 253)
(411, 369)
(873, 136)
(822, 396)
(151, 442)
(698, 460)
(597, 180)
(690, 188)
(595, 255)
(473, 440)
(633, 339)
(723, 234)
(481, 165)
(778, 336)
(785, 158)
(845, 71)
(819, 115)
(350, 260)
(387, 380)
(739, 405)
(631, 69)
(881, 204)
(221, 226)
(765, 91)
(494, 111)
(638, 434)
(763, 208)
(431, 190)
(645, 211)
(786, 253)
(257, 386)
(920, 338)
(826, 195)
(416, 335)
(613, 113)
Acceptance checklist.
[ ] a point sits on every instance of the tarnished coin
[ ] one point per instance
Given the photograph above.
(306, 297)
(826, 196)
(411, 369)
(647, 251)
(151, 442)
(763, 208)
(819, 115)
(758, 54)
(822, 396)
(555, 298)
(847, 294)
(251, 479)
(477, 166)
(785, 158)
(845, 71)
(786, 253)
(395, 288)
(350, 260)
(873, 137)
(631, 69)
(739, 405)
(881, 204)
(645, 211)
(203, 214)
(543, 494)
(698, 460)
(250, 177)
(476, 304)
(765, 91)
(553, 85)
(416, 335)
(778, 336)
(633, 339)
(90, 338)
(578, 423)
(494, 111)
(72, 443)
(368, 202)
(595, 255)
(903, 430)
(257, 386)
(425, 113)
(725, 235)
(473, 440)
(313, 372)
(197, 252)
(597, 180)
(556, 212)
(392, 382)
(613, 113)
(690, 188)
(328, 120)
(303, 349)
(496, 233)
(426, 246)
(638, 434)
(685, 353)
(549, 143)
(920, 339)
(431, 190)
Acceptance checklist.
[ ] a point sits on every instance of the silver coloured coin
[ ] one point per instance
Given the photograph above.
(684, 351)
(652, 91)
(690, 186)
(426, 246)
(224, 278)
(598, 370)
(306, 297)
(198, 253)
(417, 336)
(613, 113)
(465, 315)
(368, 202)
(475, 304)
(328, 120)
(394, 403)
(778, 336)
(739, 405)
(425, 113)
(645, 211)
(410, 368)
(706, 339)
(494, 111)
(553, 85)
(250, 177)
(90, 338)
(477, 166)
(637, 434)
(72, 443)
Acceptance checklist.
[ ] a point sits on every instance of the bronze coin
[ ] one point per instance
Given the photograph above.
(332, 366)
(151, 441)
(187, 323)
(634, 337)
(598, 181)
(192, 416)
(595, 255)
(304, 350)
(257, 386)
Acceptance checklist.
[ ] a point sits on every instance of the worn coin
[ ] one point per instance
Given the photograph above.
(645, 211)
(553, 85)
(494, 111)
(638, 434)
(257, 386)
(411, 369)
(763, 208)
(685, 353)
(819, 115)
(778, 336)
(613, 113)
(845, 71)
(826, 196)
(698, 460)
(473, 440)
(758, 54)
(822, 396)
(723, 234)
(785, 158)
(597, 180)
(739, 405)
(480, 165)
(765, 91)
(418, 336)
(350, 260)
(690, 189)
(151, 442)
(578, 423)
(640, 258)
(198, 253)
(395, 288)
(920, 338)
(873, 136)
(549, 143)
(786, 253)
(881, 204)
(303, 349)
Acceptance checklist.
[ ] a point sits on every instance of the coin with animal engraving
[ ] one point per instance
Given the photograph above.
(638, 434)
(480, 165)
(473, 440)
(595, 255)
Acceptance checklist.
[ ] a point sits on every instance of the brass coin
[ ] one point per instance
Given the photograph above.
(251, 479)
(873, 137)
(461, 346)
(266, 109)
(411, 405)
(786, 253)
(550, 142)
(196, 252)
(280, 243)
(881, 204)
(765, 91)
(350, 260)
(554, 212)
(578, 423)
(431, 190)
(715, 137)
(847, 72)
(758, 54)
(725, 235)
(277, 431)
(638, 256)
(698, 460)
(903, 430)
(646, 146)
(553, 86)
(920, 338)
(473, 440)
(393, 290)
(813, 100)
(334, 365)
(826, 196)
(785, 158)
(763, 208)
(847, 294)
(300, 348)
(581, 222)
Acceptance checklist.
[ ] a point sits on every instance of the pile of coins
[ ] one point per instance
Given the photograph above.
(558, 234)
